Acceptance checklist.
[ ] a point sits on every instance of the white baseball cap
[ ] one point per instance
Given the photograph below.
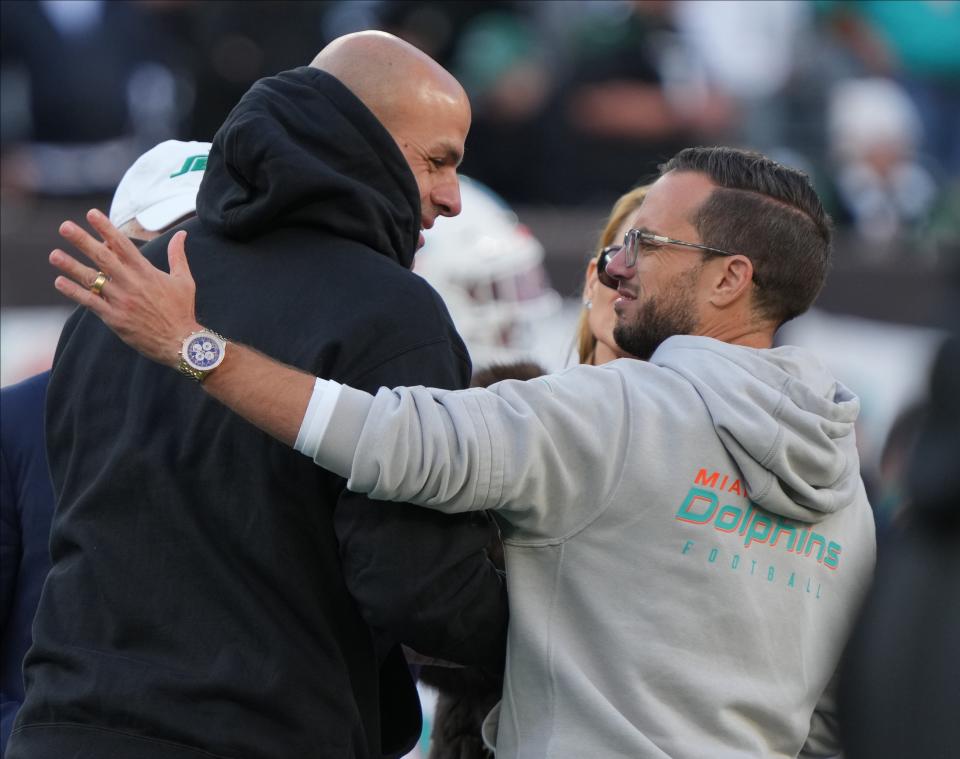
(161, 186)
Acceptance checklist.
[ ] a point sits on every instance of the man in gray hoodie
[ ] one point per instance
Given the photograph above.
(687, 539)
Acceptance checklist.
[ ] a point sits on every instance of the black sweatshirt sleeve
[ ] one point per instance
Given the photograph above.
(418, 575)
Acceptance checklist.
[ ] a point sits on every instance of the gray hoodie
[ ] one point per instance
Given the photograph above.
(687, 542)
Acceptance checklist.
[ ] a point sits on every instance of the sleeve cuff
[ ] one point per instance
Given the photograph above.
(317, 417)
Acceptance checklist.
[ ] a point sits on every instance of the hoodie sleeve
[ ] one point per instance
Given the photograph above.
(536, 451)
(421, 576)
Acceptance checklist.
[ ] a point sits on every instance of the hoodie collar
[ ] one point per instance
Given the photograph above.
(782, 416)
(301, 150)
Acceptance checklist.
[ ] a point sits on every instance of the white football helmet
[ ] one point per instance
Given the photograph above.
(488, 268)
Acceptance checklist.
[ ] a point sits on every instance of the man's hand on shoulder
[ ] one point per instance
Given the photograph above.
(150, 310)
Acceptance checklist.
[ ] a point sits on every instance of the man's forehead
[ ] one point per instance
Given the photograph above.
(672, 200)
(441, 133)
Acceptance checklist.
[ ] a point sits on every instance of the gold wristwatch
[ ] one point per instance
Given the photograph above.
(202, 352)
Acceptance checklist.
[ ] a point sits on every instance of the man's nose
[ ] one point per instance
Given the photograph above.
(617, 266)
(446, 197)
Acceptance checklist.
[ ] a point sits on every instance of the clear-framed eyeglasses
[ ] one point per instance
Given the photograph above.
(637, 240)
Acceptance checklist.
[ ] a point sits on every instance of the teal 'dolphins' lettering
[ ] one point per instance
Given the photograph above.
(193, 163)
(701, 507)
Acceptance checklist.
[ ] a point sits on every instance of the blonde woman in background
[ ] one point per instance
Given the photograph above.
(595, 343)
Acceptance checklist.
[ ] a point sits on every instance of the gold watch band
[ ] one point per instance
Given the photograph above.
(188, 371)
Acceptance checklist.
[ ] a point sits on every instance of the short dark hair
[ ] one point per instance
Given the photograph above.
(769, 213)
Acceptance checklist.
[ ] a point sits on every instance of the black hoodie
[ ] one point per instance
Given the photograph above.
(213, 592)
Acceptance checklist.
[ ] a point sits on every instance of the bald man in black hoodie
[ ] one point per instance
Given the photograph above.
(213, 593)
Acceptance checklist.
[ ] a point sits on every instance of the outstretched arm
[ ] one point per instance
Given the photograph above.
(518, 448)
(153, 311)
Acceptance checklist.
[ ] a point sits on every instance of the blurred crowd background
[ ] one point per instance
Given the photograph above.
(574, 102)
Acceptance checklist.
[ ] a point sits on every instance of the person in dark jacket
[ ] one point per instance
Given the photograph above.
(214, 594)
(26, 507)
(147, 194)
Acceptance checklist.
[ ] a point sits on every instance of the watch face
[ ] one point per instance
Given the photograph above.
(203, 351)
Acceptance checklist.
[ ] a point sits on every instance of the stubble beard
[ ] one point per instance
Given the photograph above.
(657, 319)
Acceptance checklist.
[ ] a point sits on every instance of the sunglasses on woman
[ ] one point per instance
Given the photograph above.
(603, 258)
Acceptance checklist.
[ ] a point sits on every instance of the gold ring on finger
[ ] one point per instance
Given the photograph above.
(97, 285)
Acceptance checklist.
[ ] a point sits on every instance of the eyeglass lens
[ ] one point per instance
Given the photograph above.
(631, 247)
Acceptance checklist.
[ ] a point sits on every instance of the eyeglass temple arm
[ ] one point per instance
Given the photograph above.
(671, 241)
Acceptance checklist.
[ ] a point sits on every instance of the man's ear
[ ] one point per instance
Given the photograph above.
(732, 276)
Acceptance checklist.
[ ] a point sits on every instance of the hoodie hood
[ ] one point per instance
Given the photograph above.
(785, 420)
(301, 150)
